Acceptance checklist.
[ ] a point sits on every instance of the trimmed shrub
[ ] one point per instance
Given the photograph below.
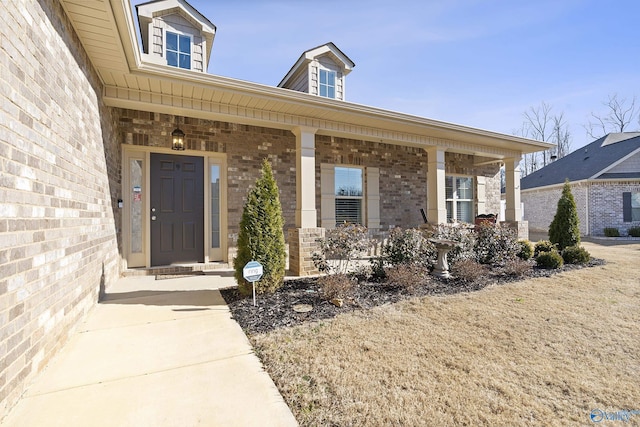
(261, 235)
(495, 244)
(336, 286)
(469, 270)
(575, 255)
(634, 232)
(549, 260)
(465, 236)
(611, 232)
(526, 250)
(543, 246)
(564, 230)
(408, 276)
(408, 246)
(342, 244)
(515, 267)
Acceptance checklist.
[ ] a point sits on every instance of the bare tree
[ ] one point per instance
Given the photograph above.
(619, 115)
(561, 136)
(542, 125)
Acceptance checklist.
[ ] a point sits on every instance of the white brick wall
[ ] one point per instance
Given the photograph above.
(604, 201)
(605, 205)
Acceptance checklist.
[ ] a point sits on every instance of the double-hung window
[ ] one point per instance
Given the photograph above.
(328, 83)
(178, 50)
(459, 197)
(631, 206)
(348, 194)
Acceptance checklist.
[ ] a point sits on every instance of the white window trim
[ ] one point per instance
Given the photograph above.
(370, 197)
(335, 82)
(180, 33)
(455, 199)
(362, 198)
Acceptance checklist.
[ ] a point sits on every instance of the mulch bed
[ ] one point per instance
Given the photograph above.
(276, 310)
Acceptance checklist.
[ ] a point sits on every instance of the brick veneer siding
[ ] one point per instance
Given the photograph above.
(302, 245)
(403, 176)
(245, 148)
(59, 165)
(605, 206)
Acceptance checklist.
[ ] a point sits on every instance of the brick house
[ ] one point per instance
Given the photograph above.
(115, 156)
(605, 183)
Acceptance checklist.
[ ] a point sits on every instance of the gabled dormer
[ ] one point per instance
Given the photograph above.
(174, 33)
(320, 71)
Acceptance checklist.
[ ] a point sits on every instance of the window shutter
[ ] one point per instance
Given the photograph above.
(481, 195)
(626, 207)
(327, 196)
(373, 198)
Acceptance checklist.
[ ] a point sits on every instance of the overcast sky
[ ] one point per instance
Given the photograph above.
(477, 63)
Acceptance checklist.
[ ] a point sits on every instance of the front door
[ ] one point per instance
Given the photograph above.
(177, 209)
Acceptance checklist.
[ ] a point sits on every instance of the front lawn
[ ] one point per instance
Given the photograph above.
(542, 351)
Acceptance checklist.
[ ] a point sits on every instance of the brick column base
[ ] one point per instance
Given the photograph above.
(302, 244)
(522, 227)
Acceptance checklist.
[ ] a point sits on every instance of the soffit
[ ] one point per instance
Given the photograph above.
(106, 29)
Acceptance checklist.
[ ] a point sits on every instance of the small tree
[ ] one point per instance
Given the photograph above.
(261, 235)
(564, 230)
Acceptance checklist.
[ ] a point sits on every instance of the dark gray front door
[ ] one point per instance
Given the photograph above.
(177, 209)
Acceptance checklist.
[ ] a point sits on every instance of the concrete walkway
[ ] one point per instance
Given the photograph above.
(155, 353)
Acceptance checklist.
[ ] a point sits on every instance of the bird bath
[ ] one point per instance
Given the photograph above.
(443, 246)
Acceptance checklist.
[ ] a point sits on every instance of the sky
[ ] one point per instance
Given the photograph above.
(476, 63)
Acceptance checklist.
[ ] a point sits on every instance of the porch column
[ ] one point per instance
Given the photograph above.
(303, 239)
(436, 197)
(513, 212)
(512, 177)
(306, 213)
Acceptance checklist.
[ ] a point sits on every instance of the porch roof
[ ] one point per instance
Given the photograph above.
(106, 29)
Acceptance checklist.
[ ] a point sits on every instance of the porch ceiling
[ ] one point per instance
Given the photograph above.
(106, 29)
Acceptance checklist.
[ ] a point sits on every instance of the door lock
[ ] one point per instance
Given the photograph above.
(153, 217)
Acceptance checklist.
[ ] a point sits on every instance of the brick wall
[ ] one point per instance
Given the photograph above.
(245, 148)
(605, 206)
(403, 176)
(540, 206)
(59, 166)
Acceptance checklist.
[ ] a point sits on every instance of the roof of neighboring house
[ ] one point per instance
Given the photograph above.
(592, 161)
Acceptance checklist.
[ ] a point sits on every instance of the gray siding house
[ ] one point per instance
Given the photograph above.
(605, 183)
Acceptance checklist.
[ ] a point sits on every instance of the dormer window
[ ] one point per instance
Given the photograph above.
(327, 83)
(178, 50)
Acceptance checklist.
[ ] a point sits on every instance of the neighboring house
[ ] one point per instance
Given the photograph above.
(605, 183)
(117, 158)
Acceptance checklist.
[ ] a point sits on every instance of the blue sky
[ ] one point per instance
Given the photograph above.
(477, 63)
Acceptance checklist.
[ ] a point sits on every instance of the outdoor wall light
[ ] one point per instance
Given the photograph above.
(177, 137)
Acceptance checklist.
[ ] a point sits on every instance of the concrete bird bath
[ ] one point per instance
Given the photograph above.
(443, 246)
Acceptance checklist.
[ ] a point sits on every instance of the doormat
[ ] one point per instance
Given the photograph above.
(178, 275)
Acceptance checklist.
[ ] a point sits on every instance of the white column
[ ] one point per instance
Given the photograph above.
(306, 213)
(436, 197)
(512, 175)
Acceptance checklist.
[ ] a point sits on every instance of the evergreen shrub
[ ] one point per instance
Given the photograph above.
(564, 230)
(543, 246)
(634, 232)
(526, 250)
(575, 255)
(261, 235)
(611, 232)
(549, 260)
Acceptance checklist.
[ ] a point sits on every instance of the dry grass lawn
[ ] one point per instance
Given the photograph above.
(538, 352)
